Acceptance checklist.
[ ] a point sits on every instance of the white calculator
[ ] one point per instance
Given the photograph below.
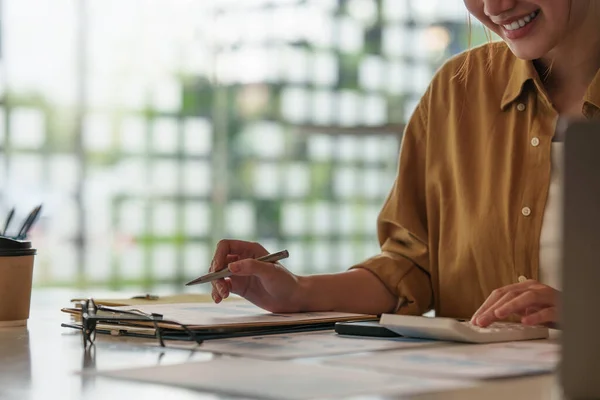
(460, 331)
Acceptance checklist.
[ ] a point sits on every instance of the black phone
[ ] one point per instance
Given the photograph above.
(364, 328)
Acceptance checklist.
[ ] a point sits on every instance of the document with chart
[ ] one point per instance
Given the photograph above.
(484, 361)
(282, 379)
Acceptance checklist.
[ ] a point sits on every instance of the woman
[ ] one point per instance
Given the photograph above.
(470, 226)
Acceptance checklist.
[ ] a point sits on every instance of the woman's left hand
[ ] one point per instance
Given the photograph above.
(534, 302)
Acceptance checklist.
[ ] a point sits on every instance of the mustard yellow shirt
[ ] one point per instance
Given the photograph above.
(465, 213)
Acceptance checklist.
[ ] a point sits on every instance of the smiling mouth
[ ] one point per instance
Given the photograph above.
(520, 23)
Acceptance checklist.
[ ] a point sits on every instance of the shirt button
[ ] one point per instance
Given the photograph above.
(522, 278)
(526, 211)
(535, 142)
(521, 107)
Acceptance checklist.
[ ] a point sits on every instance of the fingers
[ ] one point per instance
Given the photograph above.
(227, 252)
(216, 298)
(491, 300)
(532, 310)
(498, 294)
(228, 260)
(251, 267)
(488, 316)
(243, 268)
(224, 249)
(220, 289)
(545, 316)
(240, 248)
(217, 294)
(527, 300)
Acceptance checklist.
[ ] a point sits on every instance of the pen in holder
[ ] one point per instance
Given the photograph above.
(16, 274)
(27, 225)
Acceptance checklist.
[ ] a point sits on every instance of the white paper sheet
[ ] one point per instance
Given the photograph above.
(486, 361)
(294, 345)
(282, 380)
(239, 313)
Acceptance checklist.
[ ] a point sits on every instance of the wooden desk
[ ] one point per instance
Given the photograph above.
(41, 361)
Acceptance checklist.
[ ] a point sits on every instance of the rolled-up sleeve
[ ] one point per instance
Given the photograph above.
(403, 264)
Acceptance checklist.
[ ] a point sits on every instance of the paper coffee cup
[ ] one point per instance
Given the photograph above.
(16, 273)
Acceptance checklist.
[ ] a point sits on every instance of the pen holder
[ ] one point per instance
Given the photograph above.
(16, 273)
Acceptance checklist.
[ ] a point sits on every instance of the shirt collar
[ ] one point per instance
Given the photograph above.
(522, 72)
(592, 96)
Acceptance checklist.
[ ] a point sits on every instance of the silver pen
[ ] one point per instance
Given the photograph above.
(224, 273)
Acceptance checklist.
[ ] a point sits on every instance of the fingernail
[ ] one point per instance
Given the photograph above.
(214, 297)
(485, 320)
(212, 266)
(500, 313)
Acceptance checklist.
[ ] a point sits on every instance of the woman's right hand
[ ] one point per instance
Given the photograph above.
(269, 286)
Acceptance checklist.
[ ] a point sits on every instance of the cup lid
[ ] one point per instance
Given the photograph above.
(13, 244)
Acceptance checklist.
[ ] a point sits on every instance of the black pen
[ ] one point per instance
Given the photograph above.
(31, 218)
(8, 219)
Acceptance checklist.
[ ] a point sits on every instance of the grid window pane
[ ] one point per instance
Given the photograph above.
(197, 220)
(197, 259)
(166, 126)
(133, 135)
(28, 127)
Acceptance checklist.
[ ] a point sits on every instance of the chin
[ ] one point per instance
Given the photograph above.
(524, 54)
(529, 52)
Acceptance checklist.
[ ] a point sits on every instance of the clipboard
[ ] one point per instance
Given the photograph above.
(156, 299)
(239, 318)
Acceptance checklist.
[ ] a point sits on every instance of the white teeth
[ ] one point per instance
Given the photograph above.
(521, 22)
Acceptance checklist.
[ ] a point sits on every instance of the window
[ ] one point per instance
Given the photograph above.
(161, 127)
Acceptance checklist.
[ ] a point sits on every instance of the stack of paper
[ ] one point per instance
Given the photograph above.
(301, 345)
(255, 367)
(155, 299)
(418, 369)
(210, 321)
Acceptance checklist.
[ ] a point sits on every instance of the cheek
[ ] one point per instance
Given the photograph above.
(561, 16)
(476, 9)
(575, 17)
(557, 27)
(492, 26)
